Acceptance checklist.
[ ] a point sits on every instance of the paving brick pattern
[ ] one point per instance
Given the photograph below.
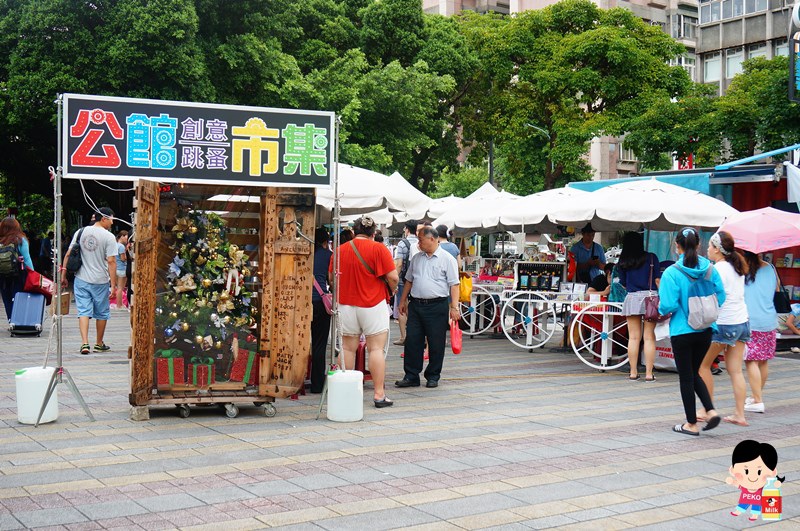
(510, 440)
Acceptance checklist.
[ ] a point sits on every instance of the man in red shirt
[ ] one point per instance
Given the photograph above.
(367, 277)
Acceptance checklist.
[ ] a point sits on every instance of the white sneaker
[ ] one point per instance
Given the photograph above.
(756, 407)
(749, 400)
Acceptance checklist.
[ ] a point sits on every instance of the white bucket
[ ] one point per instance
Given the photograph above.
(32, 385)
(346, 396)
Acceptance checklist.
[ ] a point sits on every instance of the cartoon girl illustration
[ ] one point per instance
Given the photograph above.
(752, 463)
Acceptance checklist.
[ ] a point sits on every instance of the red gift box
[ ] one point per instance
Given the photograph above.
(169, 367)
(202, 371)
(245, 367)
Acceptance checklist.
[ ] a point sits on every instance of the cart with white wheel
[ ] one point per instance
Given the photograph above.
(599, 334)
(529, 319)
(480, 313)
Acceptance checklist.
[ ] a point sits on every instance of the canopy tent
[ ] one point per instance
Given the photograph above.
(438, 207)
(360, 191)
(477, 214)
(655, 204)
(405, 199)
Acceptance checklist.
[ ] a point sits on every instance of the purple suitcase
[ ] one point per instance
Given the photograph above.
(27, 314)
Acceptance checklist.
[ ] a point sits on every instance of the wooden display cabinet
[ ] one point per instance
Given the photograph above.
(269, 228)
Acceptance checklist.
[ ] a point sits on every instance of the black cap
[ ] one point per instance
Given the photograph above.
(106, 212)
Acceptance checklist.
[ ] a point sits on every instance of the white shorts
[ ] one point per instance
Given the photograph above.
(368, 321)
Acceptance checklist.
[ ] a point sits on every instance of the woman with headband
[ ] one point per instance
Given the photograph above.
(733, 326)
(689, 346)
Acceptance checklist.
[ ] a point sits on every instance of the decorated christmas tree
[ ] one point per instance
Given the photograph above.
(206, 311)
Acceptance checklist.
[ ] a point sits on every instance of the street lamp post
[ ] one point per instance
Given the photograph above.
(549, 140)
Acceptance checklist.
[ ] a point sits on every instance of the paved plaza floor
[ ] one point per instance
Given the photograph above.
(510, 439)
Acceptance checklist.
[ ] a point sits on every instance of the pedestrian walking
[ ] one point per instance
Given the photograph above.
(447, 245)
(405, 249)
(761, 282)
(430, 299)
(14, 253)
(689, 345)
(94, 279)
(639, 274)
(122, 263)
(732, 330)
(321, 319)
(366, 270)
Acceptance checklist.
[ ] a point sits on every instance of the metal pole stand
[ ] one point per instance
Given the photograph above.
(60, 374)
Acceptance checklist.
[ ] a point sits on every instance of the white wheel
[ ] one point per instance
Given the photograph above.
(270, 410)
(184, 411)
(528, 320)
(480, 313)
(231, 411)
(599, 334)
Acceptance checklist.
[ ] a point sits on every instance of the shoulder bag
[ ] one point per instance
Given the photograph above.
(781, 299)
(327, 298)
(75, 261)
(371, 271)
(651, 302)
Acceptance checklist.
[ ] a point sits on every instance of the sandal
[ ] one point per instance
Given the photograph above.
(651, 379)
(634, 378)
(384, 402)
(712, 423)
(678, 428)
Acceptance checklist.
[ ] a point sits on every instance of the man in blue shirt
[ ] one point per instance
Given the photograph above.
(589, 256)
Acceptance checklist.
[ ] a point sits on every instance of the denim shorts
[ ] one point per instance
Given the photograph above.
(92, 299)
(730, 334)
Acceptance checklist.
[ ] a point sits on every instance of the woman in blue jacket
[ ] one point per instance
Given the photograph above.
(689, 346)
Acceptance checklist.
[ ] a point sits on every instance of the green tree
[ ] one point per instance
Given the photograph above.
(572, 70)
(460, 183)
(392, 30)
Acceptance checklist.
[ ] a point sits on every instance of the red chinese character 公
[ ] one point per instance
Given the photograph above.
(82, 155)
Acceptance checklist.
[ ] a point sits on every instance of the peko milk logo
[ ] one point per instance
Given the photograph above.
(754, 470)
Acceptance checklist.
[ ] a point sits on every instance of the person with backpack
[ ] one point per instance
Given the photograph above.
(405, 249)
(691, 283)
(733, 324)
(14, 254)
(93, 280)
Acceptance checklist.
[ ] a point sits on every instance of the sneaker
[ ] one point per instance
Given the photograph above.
(100, 347)
(85, 348)
(749, 400)
(756, 407)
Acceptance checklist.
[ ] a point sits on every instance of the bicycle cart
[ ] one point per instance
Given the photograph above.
(529, 319)
(599, 334)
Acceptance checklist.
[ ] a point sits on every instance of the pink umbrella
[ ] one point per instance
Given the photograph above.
(764, 229)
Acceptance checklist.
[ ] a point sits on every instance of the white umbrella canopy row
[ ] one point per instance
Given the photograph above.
(655, 204)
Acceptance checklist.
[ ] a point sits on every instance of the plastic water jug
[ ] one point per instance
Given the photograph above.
(346, 396)
(32, 385)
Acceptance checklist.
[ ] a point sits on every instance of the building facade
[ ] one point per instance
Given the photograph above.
(732, 31)
(679, 18)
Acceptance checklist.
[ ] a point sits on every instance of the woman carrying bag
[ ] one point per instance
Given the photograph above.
(689, 344)
(760, 284)
(10, 284)
(639, 274)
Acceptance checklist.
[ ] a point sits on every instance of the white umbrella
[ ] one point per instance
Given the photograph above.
(477, 214)
(401, 196)
(531, 210)
(360, 191)
(655, 204)
(437, 207)
(486, 189)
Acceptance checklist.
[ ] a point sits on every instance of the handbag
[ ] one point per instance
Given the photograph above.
(327, 298)
(456, 337)
(372, 271)
(75, 261)
(781, 299)
(35, 282)
(651, 303)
